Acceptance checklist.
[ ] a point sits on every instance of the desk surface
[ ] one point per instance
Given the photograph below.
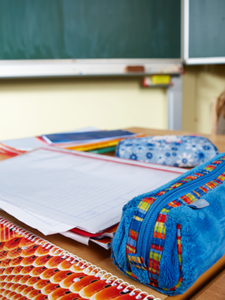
(101, 257)
(215, 289)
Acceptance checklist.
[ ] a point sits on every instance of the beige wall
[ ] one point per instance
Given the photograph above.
(34, 106)
(200, 85)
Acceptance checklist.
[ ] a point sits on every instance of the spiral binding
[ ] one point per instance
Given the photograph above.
(87, 267)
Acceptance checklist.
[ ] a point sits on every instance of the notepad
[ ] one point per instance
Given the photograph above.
(87, 191)
(33, 268)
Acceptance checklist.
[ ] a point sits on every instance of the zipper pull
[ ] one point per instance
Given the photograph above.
(200, 203)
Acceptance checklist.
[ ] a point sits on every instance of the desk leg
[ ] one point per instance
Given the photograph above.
(174, 100)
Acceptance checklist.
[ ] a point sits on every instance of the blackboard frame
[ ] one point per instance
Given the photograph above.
(87, 67)
(186, 42)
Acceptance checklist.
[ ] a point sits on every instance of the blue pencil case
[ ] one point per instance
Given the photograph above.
(168, 237)
(177, 151)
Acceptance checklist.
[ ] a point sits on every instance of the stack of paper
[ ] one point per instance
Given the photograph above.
(85, 139)
(56, 190)
(104, 140)
(31, 143)
(103, 238)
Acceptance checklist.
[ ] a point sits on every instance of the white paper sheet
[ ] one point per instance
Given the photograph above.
(77, 189)
(25, 144)
(30, 143)
(106, 246)
(45, 225)
(77, 237)
(42, 223)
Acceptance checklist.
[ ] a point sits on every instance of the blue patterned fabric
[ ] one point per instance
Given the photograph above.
(171, 150)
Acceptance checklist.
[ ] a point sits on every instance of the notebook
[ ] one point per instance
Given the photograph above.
(71, 137)
(33, 268)
(84, 190)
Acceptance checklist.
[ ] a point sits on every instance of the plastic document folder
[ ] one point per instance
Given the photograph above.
(33, 268)
(84, 190)
(70, 137)
(103, 238)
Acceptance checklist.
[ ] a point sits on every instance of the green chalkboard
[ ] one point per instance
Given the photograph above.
(206, 28)
(90, 29)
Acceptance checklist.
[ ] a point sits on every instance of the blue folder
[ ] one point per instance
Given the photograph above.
(82, 136)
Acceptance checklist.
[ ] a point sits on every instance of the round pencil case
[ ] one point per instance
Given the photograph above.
(168, 237)
(177, 151)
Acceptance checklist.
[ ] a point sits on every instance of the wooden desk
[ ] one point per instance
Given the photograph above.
(101, 257)
(215, 289)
